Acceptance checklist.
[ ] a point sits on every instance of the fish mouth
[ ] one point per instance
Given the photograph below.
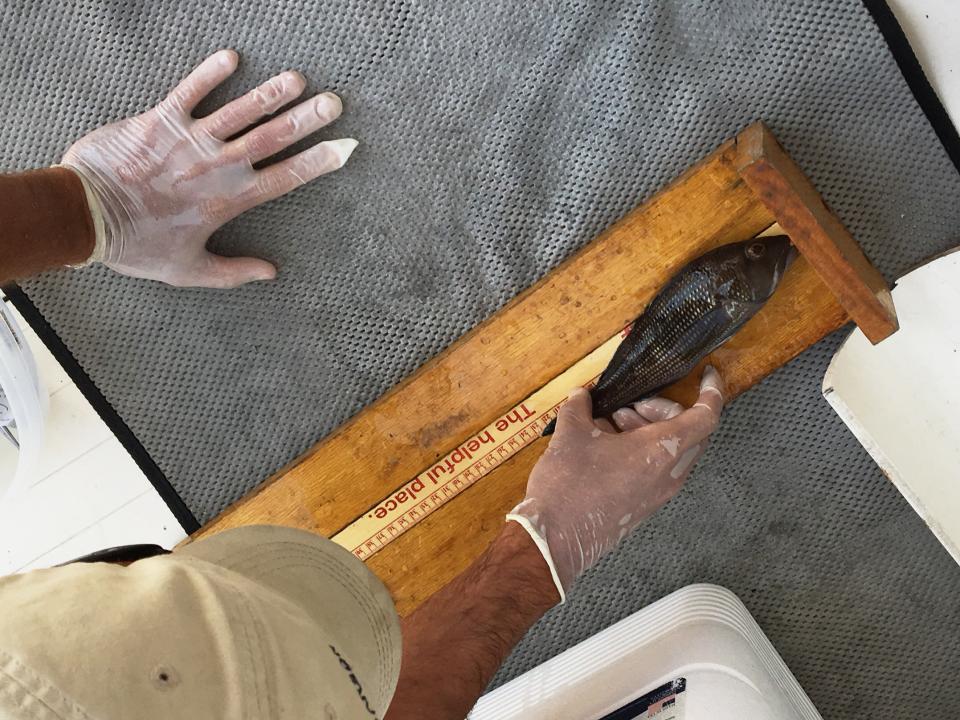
(792, 254)
(781, 266)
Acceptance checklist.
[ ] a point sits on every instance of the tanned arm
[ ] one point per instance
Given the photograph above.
(466, 630)
(44, 222)
(456, 640)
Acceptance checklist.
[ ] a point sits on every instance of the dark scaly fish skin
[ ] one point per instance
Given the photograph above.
(694, 314)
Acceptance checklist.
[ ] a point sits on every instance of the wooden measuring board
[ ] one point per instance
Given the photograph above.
(503, 376)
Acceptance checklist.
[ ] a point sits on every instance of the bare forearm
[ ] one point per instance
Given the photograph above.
(44, 222)
(464, 632)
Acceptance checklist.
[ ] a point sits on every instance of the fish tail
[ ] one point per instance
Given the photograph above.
(548, 430)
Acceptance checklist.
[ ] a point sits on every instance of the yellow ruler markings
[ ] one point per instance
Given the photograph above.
(472, 460)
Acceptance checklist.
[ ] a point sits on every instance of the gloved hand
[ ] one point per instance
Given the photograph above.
(160, 183)
(594, 485)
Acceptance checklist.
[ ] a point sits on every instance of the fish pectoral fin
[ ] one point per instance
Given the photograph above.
(739, 313)
(732, 306)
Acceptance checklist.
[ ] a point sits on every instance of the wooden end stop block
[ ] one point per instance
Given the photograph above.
(780, 185)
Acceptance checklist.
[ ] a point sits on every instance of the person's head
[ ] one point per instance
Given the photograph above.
(261, 622)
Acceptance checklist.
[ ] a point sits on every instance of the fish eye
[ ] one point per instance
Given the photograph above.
(756, 251)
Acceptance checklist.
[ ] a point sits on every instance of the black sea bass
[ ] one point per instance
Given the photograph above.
(699, 310)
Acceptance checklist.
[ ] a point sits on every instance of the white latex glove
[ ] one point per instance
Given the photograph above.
(596, 483)
(160, 183)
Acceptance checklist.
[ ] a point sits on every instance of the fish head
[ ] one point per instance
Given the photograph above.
(763, 262)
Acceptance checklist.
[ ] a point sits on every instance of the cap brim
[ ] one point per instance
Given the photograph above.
(335, 588)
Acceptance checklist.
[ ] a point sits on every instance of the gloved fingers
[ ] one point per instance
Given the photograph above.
(576, 411)
(283, 131)
(687, 460)
(289, 174)
(199, 83)
(626, 418)
(696, 423)
(658, 409)
(605, 425)
(712, 384)
(230, 272)
(264, 100)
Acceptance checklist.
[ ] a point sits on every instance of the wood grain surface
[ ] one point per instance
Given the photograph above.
(544, 330)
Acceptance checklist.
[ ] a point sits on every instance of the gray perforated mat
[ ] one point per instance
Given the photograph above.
(496, 138)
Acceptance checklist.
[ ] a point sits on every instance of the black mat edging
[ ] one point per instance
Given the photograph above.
(104, 409)
(913, 73)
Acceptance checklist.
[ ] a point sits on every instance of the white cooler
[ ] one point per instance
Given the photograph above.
(23, 405)
(697, 654)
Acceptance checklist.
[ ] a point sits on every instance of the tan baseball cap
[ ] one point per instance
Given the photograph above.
(259, 622)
